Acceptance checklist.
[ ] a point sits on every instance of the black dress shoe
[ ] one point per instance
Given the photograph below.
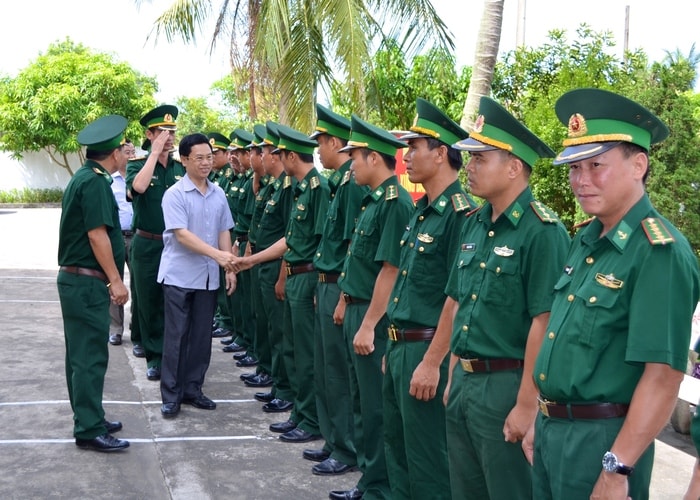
(138, 351)
(240, 355)
(316, 455)
(233, 347)
(153, 373)
(260, 380)
(264, 397)
(115, 339)
(115, 426)
(353, 494)
(106, 442)
(247, 361)
(283, 426)
(227, 341)
(221, 332)
(277, 406)
(299, 436)
(246, 376)
(170, 410)
(331, 467)
(202, 402)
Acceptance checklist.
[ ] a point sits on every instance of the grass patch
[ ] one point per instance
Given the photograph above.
(27, 195)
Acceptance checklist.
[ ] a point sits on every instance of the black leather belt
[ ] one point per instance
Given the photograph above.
(349, 299)
(328, 277)
(150, 236)
(84, 271)
(299, 268)
(582, 411)
(410, 334)
(490, 365)
(127, 233)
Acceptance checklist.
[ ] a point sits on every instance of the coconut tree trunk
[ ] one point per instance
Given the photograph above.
(484, 60)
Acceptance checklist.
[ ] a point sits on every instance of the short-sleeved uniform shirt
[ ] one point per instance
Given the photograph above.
(275, 217)
(621, 300)
(88, 203)
(428, 249)
(148, 213)
(503, 276)
(308, 214)
(384, 214)
(206, 216)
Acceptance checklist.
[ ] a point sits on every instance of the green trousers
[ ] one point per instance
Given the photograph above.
(85, 310)
(366, 391)
(301, 316)
(261, 336)
(332, 377)
(223, 316)
(568, 456)
(273, 310)
(145, 260)
(415, 439)
(241, 307)
(480, 459)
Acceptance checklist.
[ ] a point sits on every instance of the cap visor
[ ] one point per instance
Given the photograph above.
(413, 135)
(583, 152)
(470, 144)
(348, 148)
(167, 127)
(316, 134)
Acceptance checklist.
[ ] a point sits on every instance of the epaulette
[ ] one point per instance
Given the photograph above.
(544, 212)
(346, 177)
(459, 202)
(287, 182)
(392, 192)
(103, 174)
(656, 232)
(314, 182)
(472, 212)
(583, 223)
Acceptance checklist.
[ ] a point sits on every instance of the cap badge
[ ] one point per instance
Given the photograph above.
(479, 124)
(577, 125)
(168, 118)
(212, 141)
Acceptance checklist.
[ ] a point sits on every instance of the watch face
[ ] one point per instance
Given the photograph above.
(609, 462)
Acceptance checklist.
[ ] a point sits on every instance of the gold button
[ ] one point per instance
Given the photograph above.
(411, 245)
(421, 217)
(482, 265)
(542, 376)
(593, 300)
(298, 217)
(465, 328)
(342, 274)
(318, 254)
(348, 252)
(362, 231)
(551, 335)
(473, 296)
(590, 260)
(396, 299)
(363, 208)
(421, 249)
(289, 233)
(491, 234)
(404, 272)
(402, 242)
(498, 270)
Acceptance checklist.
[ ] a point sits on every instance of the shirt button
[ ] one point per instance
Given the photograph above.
(363, 208)
(342, 274)
(318, 254)
(298, 217)
(402, 242)
(482, 265)
(404, 272)
(590, 260)
(491, 234)
(473, 296)
(362, 231)
(542, 376)
(551, 335)
(593, 300)
(421, 217)
(465, 328)
(396, 299)
(498, 270)
(411, 245)
(289, 233)
(421, 249)
(570, 298)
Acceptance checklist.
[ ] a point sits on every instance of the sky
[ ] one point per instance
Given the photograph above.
(30, 26)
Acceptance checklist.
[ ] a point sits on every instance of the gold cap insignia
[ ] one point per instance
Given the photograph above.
(212, 141)
(503, 251)
(168, 118)
(577, 125)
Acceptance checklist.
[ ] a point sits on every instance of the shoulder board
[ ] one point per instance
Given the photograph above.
(346, 177)
(314, 182)
(656, 232)
(544, 212)
(583, 223)
(392, 192)
(287, 182)
(459, 202)
(472, 212)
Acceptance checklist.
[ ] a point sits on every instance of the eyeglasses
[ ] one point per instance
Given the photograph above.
(200, 158)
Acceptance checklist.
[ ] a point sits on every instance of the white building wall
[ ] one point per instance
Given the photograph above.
(36, 170)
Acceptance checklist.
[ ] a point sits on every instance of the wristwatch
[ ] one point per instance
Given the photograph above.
(612, 464)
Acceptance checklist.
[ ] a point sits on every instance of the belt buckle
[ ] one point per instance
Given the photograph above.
(467, 365)
(289, 270)
(543, 406)
(321, 277)
(393, 333)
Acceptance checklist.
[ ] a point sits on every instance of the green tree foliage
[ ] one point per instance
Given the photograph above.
(197, 116)
(60, 92)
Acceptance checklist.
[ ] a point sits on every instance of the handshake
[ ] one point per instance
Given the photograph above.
(235, 264)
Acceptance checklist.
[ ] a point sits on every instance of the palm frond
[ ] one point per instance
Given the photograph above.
(183, 19)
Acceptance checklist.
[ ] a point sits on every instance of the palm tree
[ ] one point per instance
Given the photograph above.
(484, 59)
(296, 45)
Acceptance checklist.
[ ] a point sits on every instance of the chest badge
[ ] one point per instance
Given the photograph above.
(609, 281)
(503, 251)
(425, 238)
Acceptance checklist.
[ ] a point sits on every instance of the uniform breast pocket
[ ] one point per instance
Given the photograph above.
(502, 282)
(428, 264)
(367, 240)
(598, 310)
(463, 272)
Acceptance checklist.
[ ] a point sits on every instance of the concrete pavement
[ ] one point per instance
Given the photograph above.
(227, 453)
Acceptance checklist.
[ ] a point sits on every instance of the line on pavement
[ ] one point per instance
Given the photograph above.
(65, 402)
(137, 440)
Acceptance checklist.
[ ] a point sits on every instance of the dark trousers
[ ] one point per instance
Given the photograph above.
(116, 313)
(187, 342)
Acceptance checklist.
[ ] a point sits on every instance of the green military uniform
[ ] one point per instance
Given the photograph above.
(502, 278)
(385, 212)
(272, 227)
(622, 300)
(88, 203)
(147, 244)
(331, 356)
(416, 448)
